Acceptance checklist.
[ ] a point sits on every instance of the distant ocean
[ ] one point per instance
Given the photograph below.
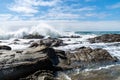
(97, 32)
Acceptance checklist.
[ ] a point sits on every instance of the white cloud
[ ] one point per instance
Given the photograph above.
(56, 10)
(66, 25)
(47, 3)
(23, 6)
(15, 18)
(87, 8)
(5, 17)
(88, 25)
(23, 9)
(100, 15)
(61, 16)
(114, 6)
(67, 12)
(30, 6)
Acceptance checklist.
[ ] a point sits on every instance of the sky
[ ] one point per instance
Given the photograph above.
(71, 14)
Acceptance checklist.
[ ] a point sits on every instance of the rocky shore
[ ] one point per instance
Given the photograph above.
(41, 61)
(106, 38)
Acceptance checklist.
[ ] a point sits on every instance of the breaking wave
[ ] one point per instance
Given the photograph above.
(41, 29)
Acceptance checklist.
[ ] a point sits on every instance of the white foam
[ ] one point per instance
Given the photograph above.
(63, 76)
(42, 29)
(15, 45)
(18, 47)
(99, 68)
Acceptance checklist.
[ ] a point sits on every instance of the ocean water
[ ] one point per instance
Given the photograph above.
(97, 32)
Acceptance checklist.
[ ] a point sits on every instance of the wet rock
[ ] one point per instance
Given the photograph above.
(86, 55)
(34, 44)
(106, 38)
(69, 40)
(16, 40)
(19, 64)
(40, 75)
(72, 36)
(4, 47)
(13, 69)
(29, 64)
(52, 42)
(63, 60)
(33, 36)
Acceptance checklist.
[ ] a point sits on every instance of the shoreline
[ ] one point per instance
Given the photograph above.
(61, 48)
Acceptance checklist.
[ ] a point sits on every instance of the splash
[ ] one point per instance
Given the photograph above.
(45, 30)
(41, 29)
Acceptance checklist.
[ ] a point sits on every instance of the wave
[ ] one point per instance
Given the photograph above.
(41, 29)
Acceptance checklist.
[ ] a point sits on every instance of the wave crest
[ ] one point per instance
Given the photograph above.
(41, 29)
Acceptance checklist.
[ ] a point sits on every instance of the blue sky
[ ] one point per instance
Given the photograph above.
(85, 14)
(84, 10)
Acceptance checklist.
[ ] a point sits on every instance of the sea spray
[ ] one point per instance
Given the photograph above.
(41, 29)
(45, 30)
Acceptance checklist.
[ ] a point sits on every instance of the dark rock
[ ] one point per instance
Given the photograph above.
(29, 63)
(34, 44)
(86, 55)
(63, 60)
(16, 71)
(33, 36)
(106, 38)
(19, 64)
(52, 42)
(4, 47)
(40, 75)
(16, 40)
(69, 39)
(72, 36)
